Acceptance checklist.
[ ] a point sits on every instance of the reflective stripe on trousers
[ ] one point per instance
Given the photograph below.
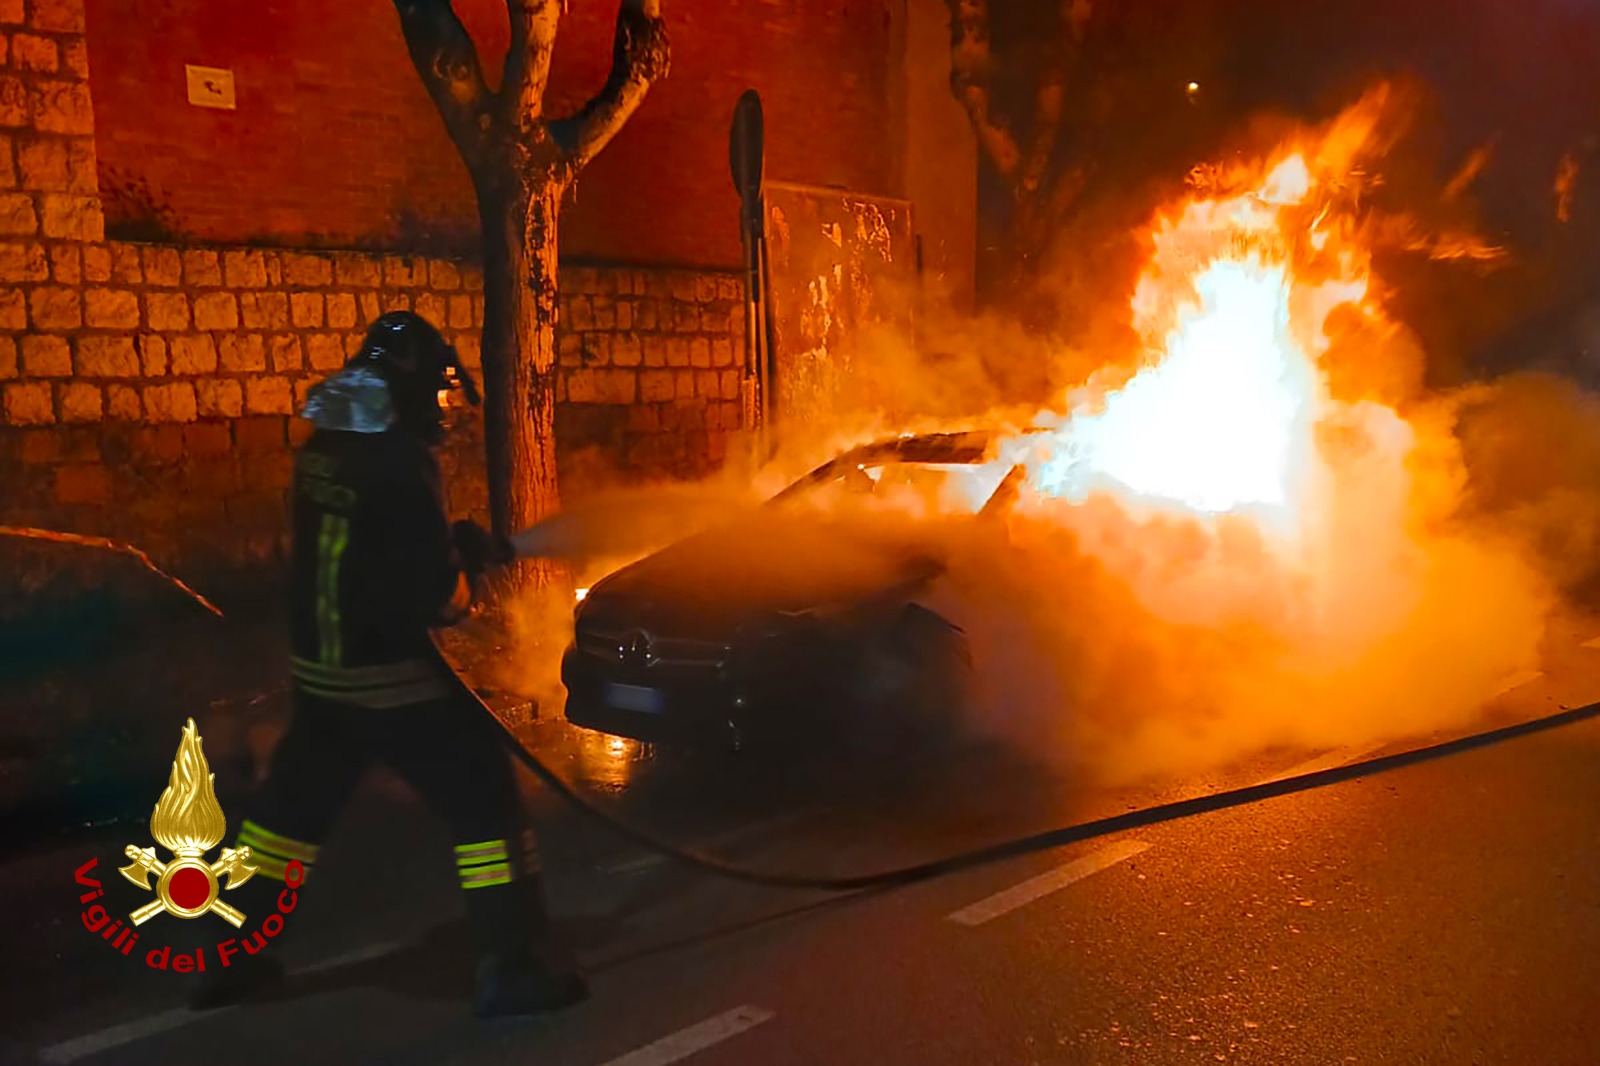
(483, 863)
(272, 852)
(381, 687)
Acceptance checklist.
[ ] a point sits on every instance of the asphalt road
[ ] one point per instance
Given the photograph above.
(1447, 912)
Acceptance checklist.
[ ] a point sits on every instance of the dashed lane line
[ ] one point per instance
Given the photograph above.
(1346, 756)
(696, 1038)
(80, 1047)
(1517, 680)
(1055, 880)
(116, 1035)
(1339, 757)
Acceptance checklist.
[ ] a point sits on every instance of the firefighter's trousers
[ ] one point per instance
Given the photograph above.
(449, 754)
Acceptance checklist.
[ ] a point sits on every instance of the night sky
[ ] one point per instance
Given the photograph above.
(1523, 77)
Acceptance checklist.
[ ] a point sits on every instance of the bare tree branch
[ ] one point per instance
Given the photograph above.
(533, 43)
(971, 67)
(1049, 102)
(971, 64)
(447, 62)
(1048, 106)
(640, 56)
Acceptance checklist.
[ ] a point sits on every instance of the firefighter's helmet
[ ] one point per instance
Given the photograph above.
(393, 381)
(418, 364)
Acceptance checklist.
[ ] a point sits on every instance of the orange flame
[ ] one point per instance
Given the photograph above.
(1469, 171)
(1566, 181)
(188, 817)
(1233, 310)
(1254, 533)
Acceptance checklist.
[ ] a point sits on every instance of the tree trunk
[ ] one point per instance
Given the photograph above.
(521, 163)
(519, 352)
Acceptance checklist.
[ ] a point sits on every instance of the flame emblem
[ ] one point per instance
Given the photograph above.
(188, 821)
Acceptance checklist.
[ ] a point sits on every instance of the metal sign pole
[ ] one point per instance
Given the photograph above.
(746, 160)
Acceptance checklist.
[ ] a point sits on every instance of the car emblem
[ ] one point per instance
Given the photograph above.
(636, 649)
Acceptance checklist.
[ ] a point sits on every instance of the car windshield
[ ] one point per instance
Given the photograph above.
(922, 488)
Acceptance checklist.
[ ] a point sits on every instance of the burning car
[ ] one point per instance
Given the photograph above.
(802, 618)
(1252, 512)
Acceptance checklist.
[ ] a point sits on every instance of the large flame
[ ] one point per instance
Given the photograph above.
(1233, 310)
(1267, 484)
(1246, 531)
(188, 817)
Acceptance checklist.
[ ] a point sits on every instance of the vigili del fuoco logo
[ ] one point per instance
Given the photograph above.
(188, 822)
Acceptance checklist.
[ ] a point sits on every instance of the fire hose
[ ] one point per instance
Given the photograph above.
(118, 547)
(549, 537)
(1045, 840)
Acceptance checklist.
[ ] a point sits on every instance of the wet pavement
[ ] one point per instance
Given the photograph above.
(82, 732)
(1446, 912)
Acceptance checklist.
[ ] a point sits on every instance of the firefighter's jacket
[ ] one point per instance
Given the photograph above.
(372, 569)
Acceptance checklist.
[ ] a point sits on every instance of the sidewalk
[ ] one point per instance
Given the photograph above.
(93, 700)
(383, 910)
(89, 734)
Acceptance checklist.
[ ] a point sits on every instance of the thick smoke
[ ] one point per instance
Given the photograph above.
(1441, 531)
(1135, 644)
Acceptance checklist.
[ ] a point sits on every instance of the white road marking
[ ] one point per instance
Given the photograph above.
(696, 1038)
(1051, 881)
(1346, 756)
(80, 1047)
(1517, 680)
(126, 1033)
(371, 951)
(1340, 757)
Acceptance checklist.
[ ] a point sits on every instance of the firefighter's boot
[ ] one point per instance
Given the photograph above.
(525, 983)
(521, 969)
(251, 975)
(246, 979)
(244, 976)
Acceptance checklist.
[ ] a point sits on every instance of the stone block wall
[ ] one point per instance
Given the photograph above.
(114, 332)
(650, 368)
(147, 392)
(48, 180)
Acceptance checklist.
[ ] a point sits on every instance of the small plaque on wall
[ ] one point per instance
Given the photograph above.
(210, 87)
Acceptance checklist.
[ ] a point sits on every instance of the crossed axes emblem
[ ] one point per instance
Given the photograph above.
(232, 863)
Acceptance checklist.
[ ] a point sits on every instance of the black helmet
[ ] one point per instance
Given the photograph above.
(417, 363)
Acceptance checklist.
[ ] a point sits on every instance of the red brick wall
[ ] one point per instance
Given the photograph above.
(335, 144)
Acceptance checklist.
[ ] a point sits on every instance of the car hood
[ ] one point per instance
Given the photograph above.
(709, 584)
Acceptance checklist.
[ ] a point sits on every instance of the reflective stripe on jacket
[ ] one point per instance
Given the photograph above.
(372, 569)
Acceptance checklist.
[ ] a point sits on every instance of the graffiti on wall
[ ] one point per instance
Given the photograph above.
(842, 269)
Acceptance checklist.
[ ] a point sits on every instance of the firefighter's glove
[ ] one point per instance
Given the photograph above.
(478, 549)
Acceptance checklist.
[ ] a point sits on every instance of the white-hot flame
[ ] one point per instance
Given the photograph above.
(1220, 422)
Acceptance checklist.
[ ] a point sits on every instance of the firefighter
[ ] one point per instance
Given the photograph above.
(375, 565)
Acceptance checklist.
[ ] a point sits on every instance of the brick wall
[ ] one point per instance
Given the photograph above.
(649, 368)
(48, 181)
(335, 143)
(147, 390)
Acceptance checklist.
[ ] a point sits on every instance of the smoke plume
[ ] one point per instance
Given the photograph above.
(1433, 533)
